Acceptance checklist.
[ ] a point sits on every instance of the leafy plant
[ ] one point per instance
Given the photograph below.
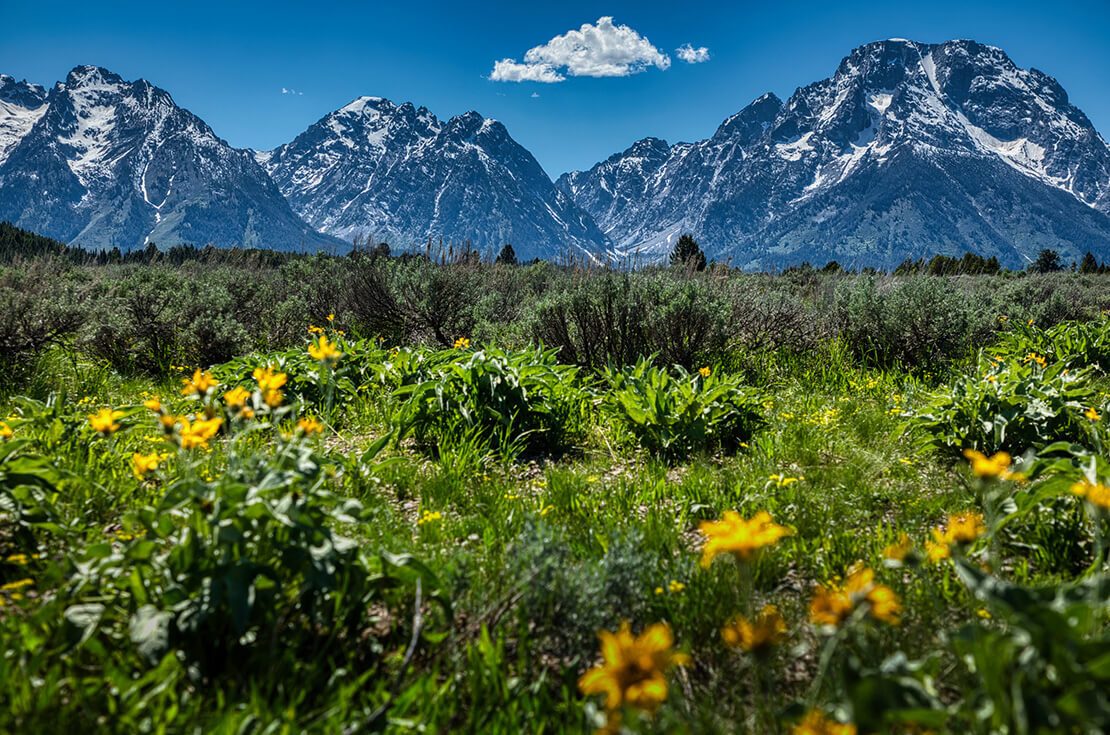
(512, 401)
(674, 413)
(1009, 405)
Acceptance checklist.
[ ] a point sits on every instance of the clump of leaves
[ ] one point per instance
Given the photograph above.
(512, 402)
(674, 413)
(1009, 405)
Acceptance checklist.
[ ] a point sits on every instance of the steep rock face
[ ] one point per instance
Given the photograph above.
(908, 150)
(398, 174)
(110, 163)
(21, 105)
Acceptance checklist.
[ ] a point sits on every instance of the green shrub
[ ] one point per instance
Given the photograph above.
(1082, 343)
(510, 401)
(1009, 405)
(673, 413)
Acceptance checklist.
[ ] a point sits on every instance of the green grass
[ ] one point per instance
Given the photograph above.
(528, 553)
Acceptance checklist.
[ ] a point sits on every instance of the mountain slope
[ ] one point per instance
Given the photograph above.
(908, 150)
(113, 163)
(397, 173)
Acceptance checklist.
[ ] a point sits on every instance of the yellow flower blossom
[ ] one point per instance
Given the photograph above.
(1035, 358)
(429, 516)
(633, 668)
(756, 636)
(900, 549)
(17, 585)
(781, 480)
(1092, 414)
(937, 550)
(310, 425)
(742, 538)
(832, 603)
(1095, 493)
(153, 404)
(324, 350)
(5, 431)
(237, 397)
(704, 371)
(199, 384)
(270, 383)
(104, 421)
(313, 329)
(462, 343)
(675, 586)
(997, 465)
(816, 723)
(331, 317)
(197, 433)
(144, 464)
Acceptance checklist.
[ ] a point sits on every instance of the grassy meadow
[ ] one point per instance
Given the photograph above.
(389, 495)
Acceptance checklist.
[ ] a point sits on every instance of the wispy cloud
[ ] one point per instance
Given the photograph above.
(535, 95)
(692, 55)
(601, 49)
(287, 90)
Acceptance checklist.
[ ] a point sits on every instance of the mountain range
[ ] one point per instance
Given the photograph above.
(907, 150)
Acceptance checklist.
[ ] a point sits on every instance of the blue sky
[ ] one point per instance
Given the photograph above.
(229, 61)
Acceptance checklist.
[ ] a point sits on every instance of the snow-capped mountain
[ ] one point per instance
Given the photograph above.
(21, 105)
(396, 173)
(909, 149)
(102, 162)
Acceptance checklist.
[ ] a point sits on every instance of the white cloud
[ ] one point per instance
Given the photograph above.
(692, 55)
(286, 90)
(535, 95)
(603, 49)
(508, 70)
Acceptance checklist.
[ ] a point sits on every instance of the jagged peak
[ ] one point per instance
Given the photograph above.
(87, 75)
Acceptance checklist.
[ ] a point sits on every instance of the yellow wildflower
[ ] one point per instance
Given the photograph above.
(997, 465)
(462, 343)
(237, 397)
(781, 480)
(196, 434)
(756, 636)
(154, 404)
(331, 317)
(1038, 359)
(5, 431)
(199, 384)
(144, 464)
(633, 668)
(1092, 414)
(832, 603)
(310, 425)
(324, 350)
(1096, 493)
(270, 383)
(313, 329)
(964, 528)
(900, 549)
(816, 723)
(675, 586)
(937, 550)
(17, 585)
(104, 421)
(742, 538)
(704, 371)
(429, 516)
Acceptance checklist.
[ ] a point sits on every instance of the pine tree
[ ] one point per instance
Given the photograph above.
(1048, 261)
(1088, 264)
(687, 253)
(507, 256)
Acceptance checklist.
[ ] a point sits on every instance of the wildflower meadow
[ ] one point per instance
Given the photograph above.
(416, 518)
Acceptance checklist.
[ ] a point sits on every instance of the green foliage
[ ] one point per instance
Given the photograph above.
(1082, 343)
(1008, 405)
(674, 414)
(688, 254)
(510, 401)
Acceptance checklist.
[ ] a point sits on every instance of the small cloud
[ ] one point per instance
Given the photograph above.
(287, 90)
(603, 49)
(535, 95)
(692, 55)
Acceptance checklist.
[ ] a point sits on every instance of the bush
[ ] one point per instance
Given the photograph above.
(674, 414)
(509, 401)
(1009, 405)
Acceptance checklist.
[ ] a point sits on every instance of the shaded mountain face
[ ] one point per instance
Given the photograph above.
(908, 150)
(396, 173)
(102, 162)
